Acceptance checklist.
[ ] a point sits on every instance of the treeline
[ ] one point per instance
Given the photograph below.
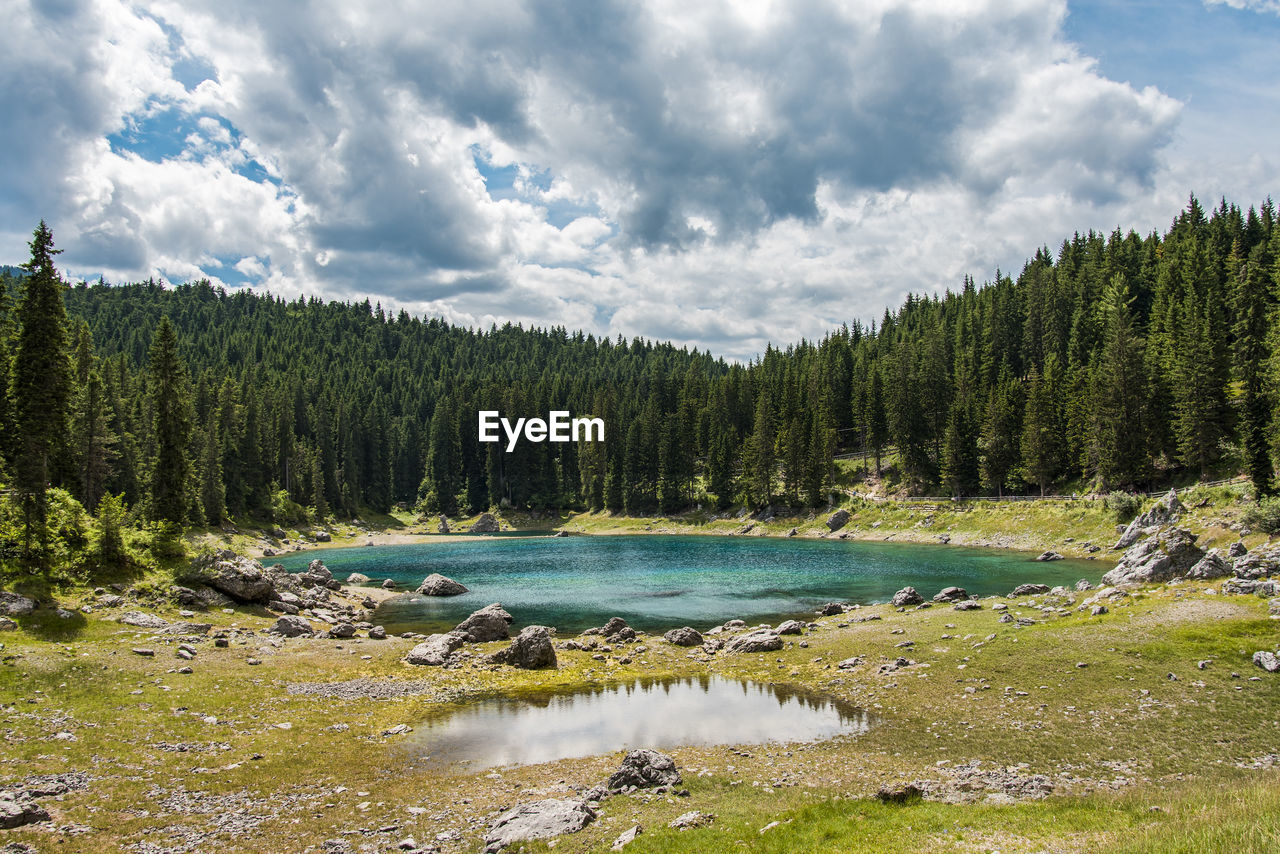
(1117, 362)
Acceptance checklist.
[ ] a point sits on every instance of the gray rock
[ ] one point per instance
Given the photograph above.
(337, 846)
(1029, 590)
(626, 837)
(291, 627)
(1262, 562)
(1098, 610)
(537, 820)
(830, 609)
(110, 600)
(7, 625)
(1267, 661)
(791, 627)
(692, 819)
(1212, 565)
(377, 633)
(1162, 556)
(316, 574)
(1166, 512)
(1083, 584)
(838, 519)
(15, 604)
(966, 605)
(436, 584)
(645, 769)
(17, 810)
(342, 630)
(1273, 608)
(142, 620)
(906, 597)
(531, 649)
(488, 624)
(389, 584)
(684, 636)
(486, 524)
(435, 650)
(951, 594)
(443, 527)
(188, 628)
(613, 626)
(357, 578)
(241, 578)
(1237, 549)
(760, 640)
(323, 537)
(1045, 557)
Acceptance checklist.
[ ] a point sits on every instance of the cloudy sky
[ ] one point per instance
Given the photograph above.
(721, 173)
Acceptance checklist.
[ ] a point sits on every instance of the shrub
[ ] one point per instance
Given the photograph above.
(1264, 516)
(1124, 505)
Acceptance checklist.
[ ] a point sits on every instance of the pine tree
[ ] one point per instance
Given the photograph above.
(1118, 392)
(39, 391)
(1252, 353)
(443, 476)
(877, 419)
(171, 426)
(1001, 434)
(760, 462)
(1042, 433)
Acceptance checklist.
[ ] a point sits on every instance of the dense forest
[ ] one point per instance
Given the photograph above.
(1118, 362)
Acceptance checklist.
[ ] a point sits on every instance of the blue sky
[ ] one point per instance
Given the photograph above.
(722, 175)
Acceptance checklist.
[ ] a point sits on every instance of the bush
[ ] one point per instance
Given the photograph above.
(1125, 505)
(286, 511)
(108, 549)
(1264, 516)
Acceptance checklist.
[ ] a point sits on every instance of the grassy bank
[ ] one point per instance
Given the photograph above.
(1112, 708)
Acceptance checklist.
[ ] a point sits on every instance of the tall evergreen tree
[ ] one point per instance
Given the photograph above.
(1118, 392)
(171, 425)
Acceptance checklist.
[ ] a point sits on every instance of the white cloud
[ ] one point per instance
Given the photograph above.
(1252, 5)
(722, 175)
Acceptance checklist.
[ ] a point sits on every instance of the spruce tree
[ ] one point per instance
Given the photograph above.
(1119, 394)
(760, 462)
(1251, 354)
(40, 388)
(171, 426)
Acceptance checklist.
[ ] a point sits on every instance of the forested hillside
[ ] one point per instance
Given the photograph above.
(1115, 362)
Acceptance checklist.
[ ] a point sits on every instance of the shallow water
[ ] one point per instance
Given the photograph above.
(657, 582)
(645, 713)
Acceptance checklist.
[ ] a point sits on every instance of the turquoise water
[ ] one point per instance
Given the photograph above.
(643, 713)
(657, 582)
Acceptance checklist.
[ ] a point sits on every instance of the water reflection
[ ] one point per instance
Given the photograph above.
(645, 713)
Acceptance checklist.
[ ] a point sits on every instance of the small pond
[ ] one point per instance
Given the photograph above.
(659, 714)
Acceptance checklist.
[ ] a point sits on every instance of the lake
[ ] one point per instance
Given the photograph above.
(651, 713)
(657, 582)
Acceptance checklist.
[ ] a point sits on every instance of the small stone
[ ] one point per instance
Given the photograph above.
(145, 652)
(626, 838)
(1267, 661)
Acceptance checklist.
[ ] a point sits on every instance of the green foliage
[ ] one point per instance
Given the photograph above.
(1125, 505)
(1264, 516)
(108, 548)
(284, 510)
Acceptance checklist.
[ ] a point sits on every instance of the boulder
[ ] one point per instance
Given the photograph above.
(1267, 661)
(488, 624)
(142, 620)
(316, 574)
(1237, 549)
(830, 609)
(1162, 556)
(1166, 512)
(951, 594)
(967, 605)
(906, 597)
(1212, 565)
(377, 633)
(537, 820)
(838, 519)
(645, 769)
(15, 604)
(389, 584)
(531, 649)
(1082, 585)
(791, 627)
(684, 821)
(436, 584)
(16, 810)
(1262, 562)
(614, 626)
(486, 524)
(323, 537)
(7, 625)
(291, 627)
(761, 640)
(1045, 557)
(241, 578)
(342, 630)
(357, 578)
(1029, 590)
(435, 650)
(685, 636)
(443, 527)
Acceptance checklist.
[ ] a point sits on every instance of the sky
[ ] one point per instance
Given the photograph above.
(721, 174)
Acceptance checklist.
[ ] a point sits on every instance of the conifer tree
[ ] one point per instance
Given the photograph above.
(1252, 353)
(760, 462)
(171, 426)
(1118, 392)
(1042, 433)
(40, 388)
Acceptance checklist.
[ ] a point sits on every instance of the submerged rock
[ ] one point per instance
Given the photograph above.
(537, 820)
(1045, 557)
(684, 636)
(645, 769)
(488, 624)
(436, 584)
(531, 649)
